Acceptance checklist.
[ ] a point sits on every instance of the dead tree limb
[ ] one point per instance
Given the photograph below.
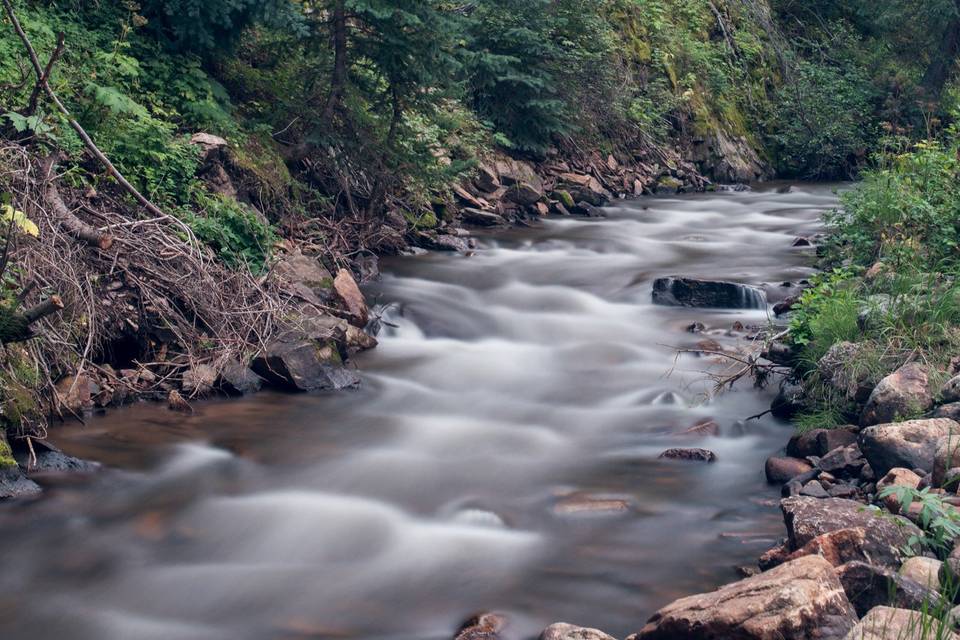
(67, 220)
(15, 327)
(44, 84)
(45, 78)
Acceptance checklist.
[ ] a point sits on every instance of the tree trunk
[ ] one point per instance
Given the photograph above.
(944, 59)
(338, 81)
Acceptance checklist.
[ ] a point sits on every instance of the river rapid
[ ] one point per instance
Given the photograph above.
(501, 455)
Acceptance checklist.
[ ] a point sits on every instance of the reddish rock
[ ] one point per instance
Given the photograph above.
(782, 470)
(808, 518)
(74, 393)
(847, 545)
(351, 298)
(706, 428)
(897, 477)
(799, 600)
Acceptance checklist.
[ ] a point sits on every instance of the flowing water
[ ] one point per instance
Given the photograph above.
(501, 455)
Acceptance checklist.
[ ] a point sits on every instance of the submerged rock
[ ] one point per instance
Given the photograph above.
(564, 631)
(14, 485)
(689, 455)
(690, 292)
(910, 445)
(47, 459)
(484, 626)
(799, 600)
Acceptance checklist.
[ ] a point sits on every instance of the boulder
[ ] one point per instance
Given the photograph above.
(359, 340)
(820, 442)
(869, 585)
(814, 489)
(512, 172)
(837, 370)
(911, 444)
(237, 379)
(903, 393)
(74, 393)
(789, 401)
(484, 626)
(782, 470)
(799, 600)
(46, 459)
(924, 571)
(587, 210)
(843, 461)
(690, 292)
(945, 458)
(305, 276)
(689, 455)
(351, 298)
(299, 363)
(486, 179)
(807, 518)
(199, 380)
(14, 485)
(840, 547)
(951, 411)
(668, 185)
(887, 623)
(564, 631)
(523, 194)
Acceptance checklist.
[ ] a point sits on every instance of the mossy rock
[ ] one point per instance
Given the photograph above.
(564, 197)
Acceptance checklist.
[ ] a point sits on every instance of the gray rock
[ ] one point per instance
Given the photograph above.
(807, 518)
(868, 585)
(303, 364)
(237, 379)
(689, 455)
(480, 218)
(690, 292)
(951, 390)
(14, 485)
(903, 393)
(814, 489)
(788, 403)
(843, 461)
(887, 623)
(910, 445)
(564, 631)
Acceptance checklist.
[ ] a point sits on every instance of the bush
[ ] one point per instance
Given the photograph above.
(240, 239)
(823, 122)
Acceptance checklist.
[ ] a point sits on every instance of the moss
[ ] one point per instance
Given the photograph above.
(329, 352)
(564, 197)
(423, 220)
(7, 460)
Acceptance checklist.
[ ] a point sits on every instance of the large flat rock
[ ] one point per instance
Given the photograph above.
(690, 292)
(799, 600)
(910, 445)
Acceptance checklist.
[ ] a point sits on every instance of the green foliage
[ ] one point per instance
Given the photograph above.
(824, 122)
(906, 212)
(825, 314)
(939, 521)
(240, 239)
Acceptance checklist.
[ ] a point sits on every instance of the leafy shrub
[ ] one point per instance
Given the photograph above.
(825, 315)
(240, 239)
(823, 121)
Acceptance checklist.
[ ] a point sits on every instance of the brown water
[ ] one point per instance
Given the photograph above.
(513, 383)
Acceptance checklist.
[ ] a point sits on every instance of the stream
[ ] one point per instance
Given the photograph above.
(501, 455)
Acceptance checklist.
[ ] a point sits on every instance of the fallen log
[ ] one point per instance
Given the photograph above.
(67, 220)
(16, 326)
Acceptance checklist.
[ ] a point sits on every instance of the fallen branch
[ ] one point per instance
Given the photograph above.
(67, 220)
(15, 327)
(45, 78)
